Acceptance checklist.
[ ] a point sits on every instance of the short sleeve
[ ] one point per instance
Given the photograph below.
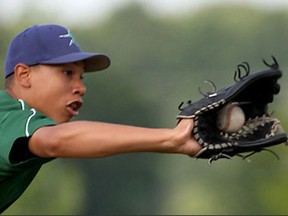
(15, 130)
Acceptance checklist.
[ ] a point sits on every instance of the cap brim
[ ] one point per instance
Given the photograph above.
(92, 61)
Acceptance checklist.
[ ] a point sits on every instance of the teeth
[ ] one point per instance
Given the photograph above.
(75, 105)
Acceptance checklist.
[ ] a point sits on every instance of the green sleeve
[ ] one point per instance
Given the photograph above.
(16, 129)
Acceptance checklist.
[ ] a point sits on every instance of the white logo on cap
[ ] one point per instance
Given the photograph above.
(69, 35)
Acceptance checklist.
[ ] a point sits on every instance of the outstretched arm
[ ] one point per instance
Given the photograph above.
(86, 139)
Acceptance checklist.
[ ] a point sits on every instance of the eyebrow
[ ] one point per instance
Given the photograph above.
(80, 63)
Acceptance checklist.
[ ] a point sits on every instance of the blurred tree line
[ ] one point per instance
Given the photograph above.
(156, 64)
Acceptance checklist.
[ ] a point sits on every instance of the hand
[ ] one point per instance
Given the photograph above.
(183, 138)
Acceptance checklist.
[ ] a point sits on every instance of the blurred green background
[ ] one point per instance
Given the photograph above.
(157, 62)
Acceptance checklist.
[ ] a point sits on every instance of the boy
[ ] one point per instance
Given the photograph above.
(43, 91)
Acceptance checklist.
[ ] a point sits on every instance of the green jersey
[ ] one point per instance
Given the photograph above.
(18, 166)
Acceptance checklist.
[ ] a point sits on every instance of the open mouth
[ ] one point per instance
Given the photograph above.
(74, 107)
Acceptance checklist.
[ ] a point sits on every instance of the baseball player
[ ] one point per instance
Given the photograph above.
(44, 67)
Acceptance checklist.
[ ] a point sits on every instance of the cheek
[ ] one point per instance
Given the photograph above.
(49, 82)
(50, 92)
(54, 86)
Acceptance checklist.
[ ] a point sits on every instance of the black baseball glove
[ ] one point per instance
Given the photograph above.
(252, 92)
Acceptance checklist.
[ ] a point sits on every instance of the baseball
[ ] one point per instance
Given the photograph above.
(230, 118)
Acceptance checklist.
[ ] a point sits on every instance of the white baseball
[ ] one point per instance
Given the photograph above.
(230, 118)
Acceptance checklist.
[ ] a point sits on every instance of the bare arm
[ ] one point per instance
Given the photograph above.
(86, 139)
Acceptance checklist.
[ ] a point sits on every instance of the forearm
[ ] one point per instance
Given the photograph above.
(85, 139)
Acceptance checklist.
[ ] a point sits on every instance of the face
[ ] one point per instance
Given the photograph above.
(57, 90)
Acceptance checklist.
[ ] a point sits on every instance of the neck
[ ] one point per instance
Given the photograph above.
(13, 92)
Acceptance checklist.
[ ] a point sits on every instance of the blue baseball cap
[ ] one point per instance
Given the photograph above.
(50, 44)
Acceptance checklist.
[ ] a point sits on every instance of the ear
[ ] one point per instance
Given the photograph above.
(22, 75)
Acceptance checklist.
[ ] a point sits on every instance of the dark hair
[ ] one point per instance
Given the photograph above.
(9, 81)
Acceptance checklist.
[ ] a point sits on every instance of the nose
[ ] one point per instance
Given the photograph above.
(79, 88)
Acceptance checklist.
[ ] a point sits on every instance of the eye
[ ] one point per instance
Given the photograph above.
(68, 72)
